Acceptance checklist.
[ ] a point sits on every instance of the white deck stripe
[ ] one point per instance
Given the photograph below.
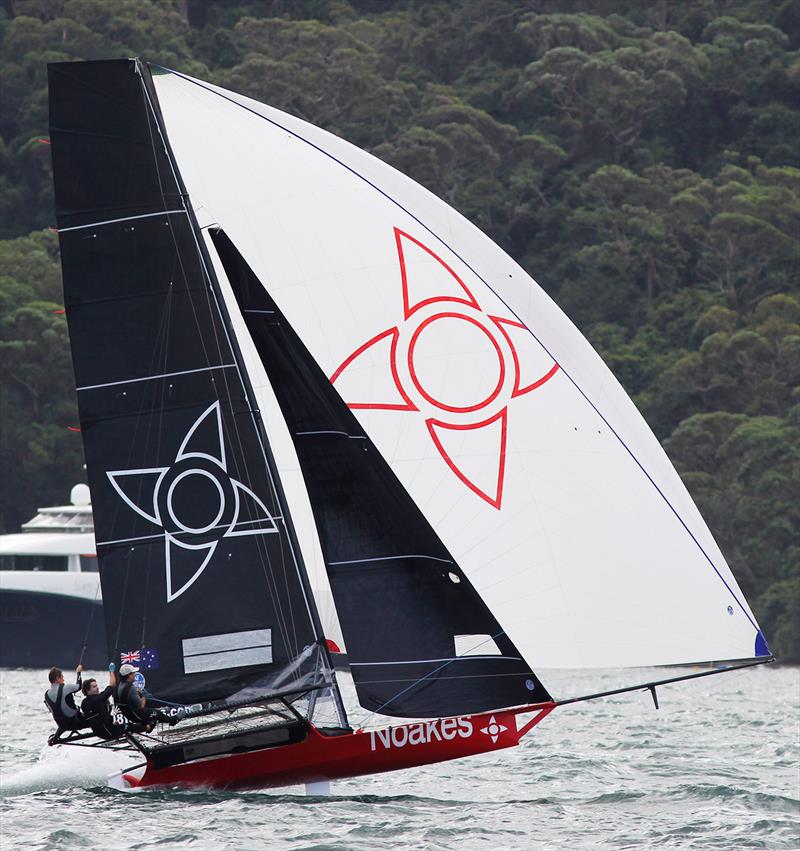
(123, 219)
(160, 375)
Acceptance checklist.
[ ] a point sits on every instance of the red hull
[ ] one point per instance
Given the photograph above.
(321, 757)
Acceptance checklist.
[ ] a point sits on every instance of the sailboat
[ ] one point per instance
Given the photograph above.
(269, 325)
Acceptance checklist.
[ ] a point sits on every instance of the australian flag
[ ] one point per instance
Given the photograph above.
(145, 659)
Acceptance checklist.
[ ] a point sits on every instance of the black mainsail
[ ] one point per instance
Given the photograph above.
(203, 585)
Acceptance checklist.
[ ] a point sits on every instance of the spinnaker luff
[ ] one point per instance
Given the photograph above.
(269, 324)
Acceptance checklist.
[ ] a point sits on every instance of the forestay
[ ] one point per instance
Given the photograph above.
(510, 435)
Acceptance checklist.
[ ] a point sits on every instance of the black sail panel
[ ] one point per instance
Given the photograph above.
(201, 587)
(401, 598)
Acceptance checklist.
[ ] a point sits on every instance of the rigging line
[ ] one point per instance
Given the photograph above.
(440, 239)
(330, 431)
(652, 684)
(89, 622)
(468, 657)
(273, 486)
(503, 675)
(205, 293)
(277, 491)
(159, 436)
(429, 674)
(210, 294)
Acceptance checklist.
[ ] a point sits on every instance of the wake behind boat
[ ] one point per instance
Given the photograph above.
(265, 320)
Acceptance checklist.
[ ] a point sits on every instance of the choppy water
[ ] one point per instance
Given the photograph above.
(717, 767)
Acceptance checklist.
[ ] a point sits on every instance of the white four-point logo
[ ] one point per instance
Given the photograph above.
(493, 729)
(195, 501)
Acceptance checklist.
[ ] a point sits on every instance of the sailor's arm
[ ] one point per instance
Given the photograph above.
(78, 671)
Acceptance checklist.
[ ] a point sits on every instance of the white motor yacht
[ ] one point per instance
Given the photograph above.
(50, 602)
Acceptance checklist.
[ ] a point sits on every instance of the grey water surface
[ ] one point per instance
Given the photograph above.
(717, 767)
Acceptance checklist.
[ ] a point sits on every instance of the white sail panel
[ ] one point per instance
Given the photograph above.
(524, 452)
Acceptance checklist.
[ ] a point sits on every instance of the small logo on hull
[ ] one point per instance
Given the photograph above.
(493, 729)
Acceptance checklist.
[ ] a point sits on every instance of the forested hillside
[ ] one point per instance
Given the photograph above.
(640, 159)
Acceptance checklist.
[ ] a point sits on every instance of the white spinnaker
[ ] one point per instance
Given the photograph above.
(593, 554)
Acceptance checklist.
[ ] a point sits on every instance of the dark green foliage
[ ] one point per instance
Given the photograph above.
(640, 159)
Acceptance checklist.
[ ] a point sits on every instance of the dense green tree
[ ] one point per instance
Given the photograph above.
(639, 159)
(40, 457)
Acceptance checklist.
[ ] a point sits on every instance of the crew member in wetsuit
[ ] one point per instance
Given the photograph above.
(60, 700)
(97, 712)
(131, 702)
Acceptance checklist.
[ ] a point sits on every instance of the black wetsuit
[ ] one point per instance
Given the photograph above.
(131, 704)
(97, 713)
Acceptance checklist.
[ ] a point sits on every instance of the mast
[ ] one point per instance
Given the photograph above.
(152, 100)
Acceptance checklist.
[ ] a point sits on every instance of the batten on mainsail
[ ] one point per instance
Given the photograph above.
(524, 453)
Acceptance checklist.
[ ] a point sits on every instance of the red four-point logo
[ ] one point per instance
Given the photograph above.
(451, 362)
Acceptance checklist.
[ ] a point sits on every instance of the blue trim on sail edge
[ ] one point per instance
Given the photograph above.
(762, 648)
